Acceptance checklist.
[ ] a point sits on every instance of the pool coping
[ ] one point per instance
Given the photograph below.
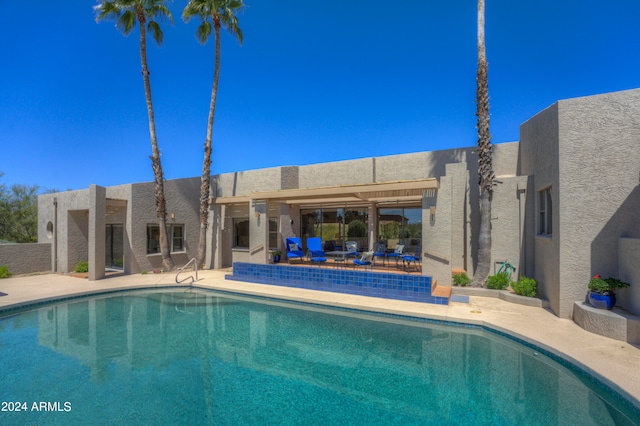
(615, 364)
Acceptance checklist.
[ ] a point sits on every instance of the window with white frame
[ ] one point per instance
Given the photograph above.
(176, 238)
(545, 212)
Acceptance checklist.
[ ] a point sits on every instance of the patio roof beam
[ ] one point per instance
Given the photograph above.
(396, 190)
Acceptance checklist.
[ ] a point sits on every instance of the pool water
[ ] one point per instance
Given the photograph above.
(199, 357)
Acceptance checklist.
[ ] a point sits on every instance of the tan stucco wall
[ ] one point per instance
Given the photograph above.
(588, 150)
(629, 271)
(26, 258)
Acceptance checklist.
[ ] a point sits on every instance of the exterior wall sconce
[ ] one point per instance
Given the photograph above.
(173, 216)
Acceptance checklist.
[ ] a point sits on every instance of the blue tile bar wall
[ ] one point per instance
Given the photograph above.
(415, 288)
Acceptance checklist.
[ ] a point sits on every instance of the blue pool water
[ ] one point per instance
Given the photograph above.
(197, 357)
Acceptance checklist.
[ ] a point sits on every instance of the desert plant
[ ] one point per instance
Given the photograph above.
(461, 279)
(499, 281)
(4, 272)
(82, 266)
(525, 287)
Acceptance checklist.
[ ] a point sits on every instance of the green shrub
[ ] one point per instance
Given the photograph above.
(357, 229)
(144, 272)
(525, 287)
(82, 266)
(461, 279)
(499, 281)
(4, 272)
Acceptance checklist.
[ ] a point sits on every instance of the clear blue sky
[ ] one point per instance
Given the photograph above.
(313, 82)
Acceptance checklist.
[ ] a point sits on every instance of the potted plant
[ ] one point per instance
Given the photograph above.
(277, 255)
(602, 291)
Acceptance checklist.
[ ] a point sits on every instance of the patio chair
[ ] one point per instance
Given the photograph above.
(412, 258)
(352, 248)
(294, 249)
(314, 250)
(380, 250)
(397, 253)
(365, 260)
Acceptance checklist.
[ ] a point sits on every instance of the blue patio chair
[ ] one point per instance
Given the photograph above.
(397, 253)
(380, 250)
(412, 258)
(365, 260)
(294, 249)
(314, 250)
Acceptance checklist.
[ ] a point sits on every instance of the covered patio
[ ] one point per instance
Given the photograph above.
(387, 213)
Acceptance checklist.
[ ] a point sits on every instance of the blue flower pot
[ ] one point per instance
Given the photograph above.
(602, 300)
(276, 258)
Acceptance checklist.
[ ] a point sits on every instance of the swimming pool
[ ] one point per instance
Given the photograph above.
(200, 357)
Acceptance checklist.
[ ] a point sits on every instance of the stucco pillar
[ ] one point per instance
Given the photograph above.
(258, 232)
(213, 257)
(372, 225)
(444, 225)
(97, 231)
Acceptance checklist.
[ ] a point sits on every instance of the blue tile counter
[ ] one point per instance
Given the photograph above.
(415, 288)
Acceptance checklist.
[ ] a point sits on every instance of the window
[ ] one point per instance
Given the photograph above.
(544, 217)
(176, 239)
(241, 232)
(273, 233)
(336, 226)
(402, 225)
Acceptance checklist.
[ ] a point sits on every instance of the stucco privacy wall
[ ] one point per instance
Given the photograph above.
(26, 258)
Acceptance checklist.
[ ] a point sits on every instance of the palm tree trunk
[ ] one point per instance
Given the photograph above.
(205, 180)
(161, 208)
(485, 167)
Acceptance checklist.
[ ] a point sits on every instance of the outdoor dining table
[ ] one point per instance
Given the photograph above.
(340, 255)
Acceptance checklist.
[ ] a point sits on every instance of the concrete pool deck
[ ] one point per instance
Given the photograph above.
(615, 363)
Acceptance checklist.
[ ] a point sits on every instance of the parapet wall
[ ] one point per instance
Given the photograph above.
(26, 258)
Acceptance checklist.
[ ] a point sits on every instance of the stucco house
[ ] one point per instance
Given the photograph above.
(566, 206)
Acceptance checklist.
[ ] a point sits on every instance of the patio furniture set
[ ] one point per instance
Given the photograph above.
(366, 259)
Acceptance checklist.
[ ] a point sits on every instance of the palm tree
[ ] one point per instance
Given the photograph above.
(216, 14)
(485, 168)
(127, 13)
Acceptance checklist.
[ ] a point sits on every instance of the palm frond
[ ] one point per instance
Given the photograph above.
(106, 10)
(156, 32)
(159, 12)
(195, 8)
(203, 32)
(126, 22)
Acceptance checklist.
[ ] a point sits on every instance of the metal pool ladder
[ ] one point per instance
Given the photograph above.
(195, 268)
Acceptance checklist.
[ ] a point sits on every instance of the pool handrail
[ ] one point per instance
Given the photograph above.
(195, 267)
